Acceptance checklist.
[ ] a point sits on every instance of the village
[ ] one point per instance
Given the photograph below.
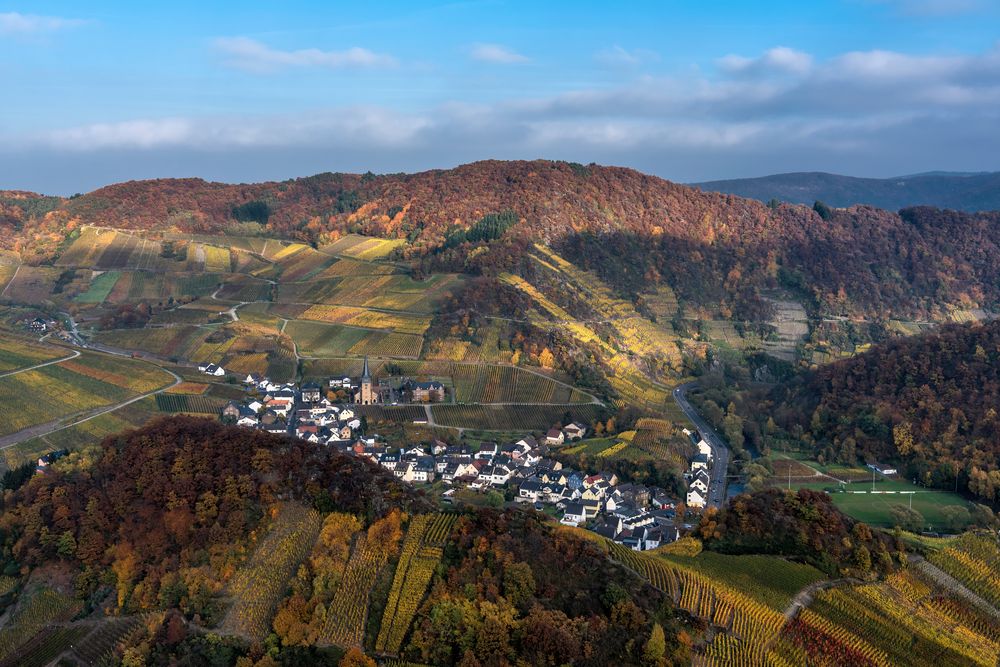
(521, 472)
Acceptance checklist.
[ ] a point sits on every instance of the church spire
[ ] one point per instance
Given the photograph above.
(365, 375)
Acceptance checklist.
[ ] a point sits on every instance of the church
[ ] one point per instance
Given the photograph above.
(367, 394)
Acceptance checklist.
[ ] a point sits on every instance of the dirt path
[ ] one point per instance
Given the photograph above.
(76, 353)
(953, 585)
(805, 597)
(11, 281)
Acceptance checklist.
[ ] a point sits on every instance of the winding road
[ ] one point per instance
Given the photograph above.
(720, 450)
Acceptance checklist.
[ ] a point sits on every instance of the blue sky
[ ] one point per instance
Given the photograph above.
(101, 92)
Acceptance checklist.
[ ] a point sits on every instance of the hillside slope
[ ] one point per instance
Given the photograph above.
(637, 231)
(927, 403)
(963, 192)
(199, 527)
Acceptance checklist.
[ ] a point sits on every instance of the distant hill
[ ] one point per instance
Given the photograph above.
(954, 190)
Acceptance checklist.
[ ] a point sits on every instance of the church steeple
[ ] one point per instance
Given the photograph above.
(365, 375)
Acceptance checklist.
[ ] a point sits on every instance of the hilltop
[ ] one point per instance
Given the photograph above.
(953, 190)
(636, 231)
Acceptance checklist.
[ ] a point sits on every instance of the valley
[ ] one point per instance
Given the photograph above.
(619, 386)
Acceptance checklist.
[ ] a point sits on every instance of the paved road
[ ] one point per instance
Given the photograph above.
(720, 450)
(74, 355)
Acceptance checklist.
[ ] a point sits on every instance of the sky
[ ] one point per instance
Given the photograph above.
(100, 92)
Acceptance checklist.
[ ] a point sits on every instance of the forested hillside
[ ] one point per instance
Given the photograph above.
(637, 231)
(928, 403)
(191, 542)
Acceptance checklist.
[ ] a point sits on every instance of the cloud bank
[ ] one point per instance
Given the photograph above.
(864, 112)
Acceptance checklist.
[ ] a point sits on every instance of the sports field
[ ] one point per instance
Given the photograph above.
(858, 500)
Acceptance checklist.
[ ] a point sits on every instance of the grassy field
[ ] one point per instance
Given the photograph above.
(324, 340)
(100, 286)
(857, 500)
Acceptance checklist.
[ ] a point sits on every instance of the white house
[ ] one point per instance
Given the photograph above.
(705, 448)
(695, 498)
(575, 431)
(247, 420)
(574, 515)
(700, 462)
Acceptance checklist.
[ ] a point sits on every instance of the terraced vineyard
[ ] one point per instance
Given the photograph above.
(508, 384)
(903, 620)
(420, 555)
(98, 646)
(258, 586)
(92, 430)
(18, 353)
(975, 561)
(346, 627)
(392, 413)
(48, 646)
(36, 610)
(749, 625)
(190, 403)
(89, 381)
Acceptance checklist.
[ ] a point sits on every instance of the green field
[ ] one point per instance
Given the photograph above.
(858, 501)
(100, 287)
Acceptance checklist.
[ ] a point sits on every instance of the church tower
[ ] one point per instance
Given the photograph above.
(367, 395)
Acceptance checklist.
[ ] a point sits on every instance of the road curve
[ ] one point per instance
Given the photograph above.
(720, 450)
(74, 355)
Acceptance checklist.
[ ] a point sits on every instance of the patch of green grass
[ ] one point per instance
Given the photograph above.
(768, 579)
(99, 287)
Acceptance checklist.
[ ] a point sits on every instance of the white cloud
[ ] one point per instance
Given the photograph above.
(495, 53)
(779, 59)
(251, 55)
(781, 110)
(25, 25)
(355, 125)
(617, 56)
